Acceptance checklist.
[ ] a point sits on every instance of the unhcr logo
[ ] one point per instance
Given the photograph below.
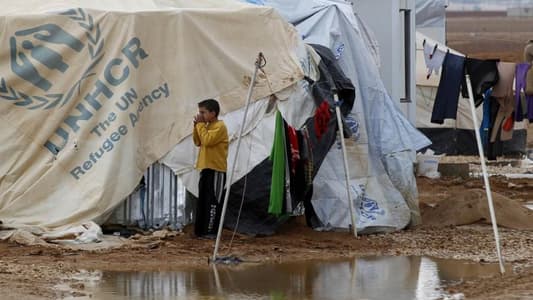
(31, 51)
(32, 46)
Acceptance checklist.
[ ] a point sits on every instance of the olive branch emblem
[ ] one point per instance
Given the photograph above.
(47, 101)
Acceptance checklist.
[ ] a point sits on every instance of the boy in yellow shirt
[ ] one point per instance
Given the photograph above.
(211, 135)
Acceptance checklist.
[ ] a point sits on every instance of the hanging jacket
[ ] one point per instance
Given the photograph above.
(483, 76)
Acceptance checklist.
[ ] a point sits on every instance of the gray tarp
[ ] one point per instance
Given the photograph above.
(386, 135)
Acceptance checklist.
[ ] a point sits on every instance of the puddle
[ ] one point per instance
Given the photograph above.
(359, 278)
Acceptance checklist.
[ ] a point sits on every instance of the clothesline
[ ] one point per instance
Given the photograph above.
(502, 87)
(475, 77)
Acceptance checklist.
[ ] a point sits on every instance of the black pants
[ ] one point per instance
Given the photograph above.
(210, 198)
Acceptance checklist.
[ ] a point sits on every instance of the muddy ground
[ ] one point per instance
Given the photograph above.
(482, 35)
(31, 272)
(455, 225)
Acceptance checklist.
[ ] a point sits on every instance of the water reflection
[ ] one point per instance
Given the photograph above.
(362, 278)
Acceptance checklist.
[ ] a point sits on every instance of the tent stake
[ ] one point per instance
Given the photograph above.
(258, 64)
(484, 170)
(346, 171)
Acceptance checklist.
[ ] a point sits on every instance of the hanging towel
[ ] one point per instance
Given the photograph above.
(483, 76)
(277, 186)
(447, 98)
(434, 57)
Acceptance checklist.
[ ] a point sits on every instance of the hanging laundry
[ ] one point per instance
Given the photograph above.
(520, 88)
(506, 74)
(503, 92)
(483, 76)
(494, 149)
(523, 103)
(277, 187)
(301, 182)
(507, 128)
(528, 57)
(434, 58)
(322, 116)
(505, 110)
(447, 98)
(529, 82)
(294, 149)
(485, 122)
(307, 157)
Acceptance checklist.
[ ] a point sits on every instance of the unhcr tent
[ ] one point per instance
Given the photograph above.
(454, 136)
(381, 160)
(251, 184)
(94, 92)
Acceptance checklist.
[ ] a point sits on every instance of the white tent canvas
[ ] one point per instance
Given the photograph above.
(93, 92)
(380, 161)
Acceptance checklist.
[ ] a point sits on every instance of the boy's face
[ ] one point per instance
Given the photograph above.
(206, 115)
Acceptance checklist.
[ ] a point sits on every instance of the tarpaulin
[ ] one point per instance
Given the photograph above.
(91, 96)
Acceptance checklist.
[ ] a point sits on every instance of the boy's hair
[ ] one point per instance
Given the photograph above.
(210, 105)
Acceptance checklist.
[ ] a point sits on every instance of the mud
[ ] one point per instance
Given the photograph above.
(32, 271)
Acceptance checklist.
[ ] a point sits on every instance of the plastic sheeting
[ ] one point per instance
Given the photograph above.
(295, 104)
(384, 131)
(90, 97)
(253, 169)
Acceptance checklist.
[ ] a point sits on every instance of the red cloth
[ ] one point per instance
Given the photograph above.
(295, 150)
(508, 124)
(322, 116)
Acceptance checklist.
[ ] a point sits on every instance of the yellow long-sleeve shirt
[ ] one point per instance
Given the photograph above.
(212, 138)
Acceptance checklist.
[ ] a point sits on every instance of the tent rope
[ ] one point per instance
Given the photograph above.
(261, 64)
(242, 202)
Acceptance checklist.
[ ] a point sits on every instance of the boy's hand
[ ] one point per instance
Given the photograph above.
(198, 119)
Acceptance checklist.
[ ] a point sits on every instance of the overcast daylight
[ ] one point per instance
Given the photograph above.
(266, 149)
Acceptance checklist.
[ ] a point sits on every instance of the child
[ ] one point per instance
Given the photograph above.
(211, 135)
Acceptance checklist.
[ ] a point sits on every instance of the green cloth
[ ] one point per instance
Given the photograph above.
(277, 186)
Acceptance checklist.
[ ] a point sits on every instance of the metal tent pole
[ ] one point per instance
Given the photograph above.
(258, 62)
(484, 170)
(345, 159)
